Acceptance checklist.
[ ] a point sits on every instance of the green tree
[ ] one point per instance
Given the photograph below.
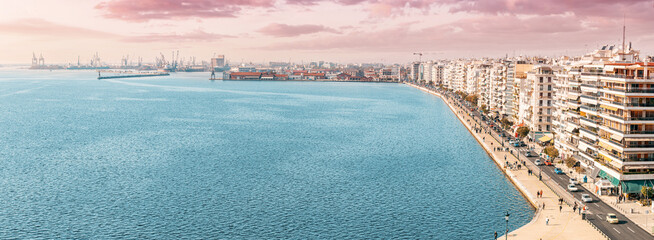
(522, 132)
(484, 108)
(506, 123)
(570, 162)
(472, 99)
(551, 151)
(647, 191)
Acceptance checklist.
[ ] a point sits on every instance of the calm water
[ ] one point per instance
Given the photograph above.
(183, 157)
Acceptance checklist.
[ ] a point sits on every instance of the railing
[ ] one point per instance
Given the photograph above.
(640, 146)
(634, 104)
(589, 108)
(637, 132)
(595, 121)
(625, 76)
(591, 73)
(589, 97)
(611, 102)
(588, 85)
(631, 90)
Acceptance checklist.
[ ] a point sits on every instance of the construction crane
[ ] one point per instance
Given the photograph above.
(419, 56)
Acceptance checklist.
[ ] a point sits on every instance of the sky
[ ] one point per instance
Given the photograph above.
(344, 31)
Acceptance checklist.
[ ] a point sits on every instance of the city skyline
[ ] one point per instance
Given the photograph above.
(342, 31)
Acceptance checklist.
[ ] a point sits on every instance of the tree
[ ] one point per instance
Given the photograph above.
(484, 108)
(552, 152)
(522, 132)
(570, 162)
(647, 191)
(472, 99)
(506, 123)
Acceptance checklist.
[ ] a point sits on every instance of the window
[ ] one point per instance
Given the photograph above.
(541, 79)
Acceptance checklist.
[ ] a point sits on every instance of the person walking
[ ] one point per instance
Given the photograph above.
(560, 208)
(574, 208)
(547, 221)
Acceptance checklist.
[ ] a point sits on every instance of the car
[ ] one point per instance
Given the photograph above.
(586, 198)
(558, 171)
(538, 162)
(529, 154)
(502, 135)
(522, 144)
(548, 162)
(572, 188)
(512, 141)
(612, 218)
(573, 181)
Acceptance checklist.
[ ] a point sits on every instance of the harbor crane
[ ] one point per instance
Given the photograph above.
(419, 56)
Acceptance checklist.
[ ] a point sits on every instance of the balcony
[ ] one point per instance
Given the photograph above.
(631, 90)
(633, 104)
(625, 76)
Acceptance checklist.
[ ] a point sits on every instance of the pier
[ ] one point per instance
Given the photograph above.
(125, 74)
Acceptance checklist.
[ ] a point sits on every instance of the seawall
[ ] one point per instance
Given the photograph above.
(561, 224)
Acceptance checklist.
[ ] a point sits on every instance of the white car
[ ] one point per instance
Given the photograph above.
(538, 162)
(586, 198)
(612, 218)
(572, 188)
(573, 181)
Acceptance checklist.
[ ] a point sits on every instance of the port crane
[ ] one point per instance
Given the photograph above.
(419, 56)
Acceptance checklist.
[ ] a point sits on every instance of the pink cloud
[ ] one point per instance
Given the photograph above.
(484, 33)
(283, 30)
(40, 27)
(144, 10)
(195, 36)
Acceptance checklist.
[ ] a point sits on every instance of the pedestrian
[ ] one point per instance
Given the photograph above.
(574, 209)
(547, 221)
(560, 208)
(541, 195)
(495, 235)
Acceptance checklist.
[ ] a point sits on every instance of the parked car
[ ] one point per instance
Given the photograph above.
(612, 218)
(530, 154)
(586, 198)
(519, 144)
(548, 162)
(512, 141)
(572, 188)
(502, 135)
(538, 162)
(558, 171)
(573, 181)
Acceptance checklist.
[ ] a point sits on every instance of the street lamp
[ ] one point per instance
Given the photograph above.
(506, 217)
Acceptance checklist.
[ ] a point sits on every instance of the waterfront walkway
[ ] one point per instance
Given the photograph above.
(562, 224)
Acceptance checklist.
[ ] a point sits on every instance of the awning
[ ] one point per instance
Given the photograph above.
(609, 108)
(605, 146)
(611, 179)
(572, 96)
(635, 186)
(583, 147)
(616, 137)
(570, 128)
(545, 139)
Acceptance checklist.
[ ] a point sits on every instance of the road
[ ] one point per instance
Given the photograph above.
(597, 210)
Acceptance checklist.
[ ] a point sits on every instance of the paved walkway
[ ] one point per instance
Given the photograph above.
(562, 224)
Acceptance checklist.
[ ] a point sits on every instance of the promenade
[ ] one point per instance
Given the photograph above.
(561, 224)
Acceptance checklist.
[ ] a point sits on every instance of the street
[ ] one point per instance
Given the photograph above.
(596, 210)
